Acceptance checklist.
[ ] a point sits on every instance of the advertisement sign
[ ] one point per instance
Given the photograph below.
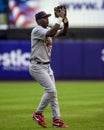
(70, 60)
(81, 13)
(93, 60)
(14, 59)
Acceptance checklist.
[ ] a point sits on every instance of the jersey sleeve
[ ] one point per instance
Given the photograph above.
(39, 33)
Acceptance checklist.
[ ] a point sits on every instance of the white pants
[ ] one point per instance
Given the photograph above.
(43, 74)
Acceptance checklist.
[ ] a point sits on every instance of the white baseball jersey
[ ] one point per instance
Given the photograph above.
(39, 49)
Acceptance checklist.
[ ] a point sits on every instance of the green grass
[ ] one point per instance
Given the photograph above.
(81, 105)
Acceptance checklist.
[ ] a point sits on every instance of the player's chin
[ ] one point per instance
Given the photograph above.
(45, 25)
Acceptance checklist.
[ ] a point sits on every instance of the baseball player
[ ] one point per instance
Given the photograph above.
(39, 68)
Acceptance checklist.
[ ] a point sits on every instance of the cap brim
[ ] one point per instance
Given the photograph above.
(47, 15)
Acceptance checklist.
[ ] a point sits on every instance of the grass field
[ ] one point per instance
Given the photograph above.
(81, 105)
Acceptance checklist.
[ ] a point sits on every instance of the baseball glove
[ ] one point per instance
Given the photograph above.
(58, 8)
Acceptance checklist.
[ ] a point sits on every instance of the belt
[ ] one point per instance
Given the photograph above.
(39, 62)
(44, 63)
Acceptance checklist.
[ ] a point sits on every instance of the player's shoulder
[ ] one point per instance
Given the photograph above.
(36, 28)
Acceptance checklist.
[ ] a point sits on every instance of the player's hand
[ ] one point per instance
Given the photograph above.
(60, 11)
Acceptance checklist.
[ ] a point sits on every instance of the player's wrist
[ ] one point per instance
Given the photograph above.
(59, 20)
(65, 20)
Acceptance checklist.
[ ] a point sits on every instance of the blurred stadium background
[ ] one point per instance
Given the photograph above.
(79, 55)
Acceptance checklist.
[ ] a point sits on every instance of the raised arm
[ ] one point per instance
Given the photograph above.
(61, 17)
(64, 30)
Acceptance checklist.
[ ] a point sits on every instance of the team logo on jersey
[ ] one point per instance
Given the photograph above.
(48, 41)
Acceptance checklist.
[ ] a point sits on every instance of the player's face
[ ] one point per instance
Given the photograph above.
(44, 22)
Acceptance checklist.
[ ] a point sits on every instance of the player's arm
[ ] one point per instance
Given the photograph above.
(64, 30)
(52, 32)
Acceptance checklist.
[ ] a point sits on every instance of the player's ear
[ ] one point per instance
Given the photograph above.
(38, 21)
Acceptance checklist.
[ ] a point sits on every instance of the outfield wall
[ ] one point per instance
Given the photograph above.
(70, 59)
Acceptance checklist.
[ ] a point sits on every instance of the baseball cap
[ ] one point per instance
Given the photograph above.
(41, 14)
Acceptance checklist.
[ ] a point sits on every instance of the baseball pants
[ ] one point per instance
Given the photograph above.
(43, 74)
